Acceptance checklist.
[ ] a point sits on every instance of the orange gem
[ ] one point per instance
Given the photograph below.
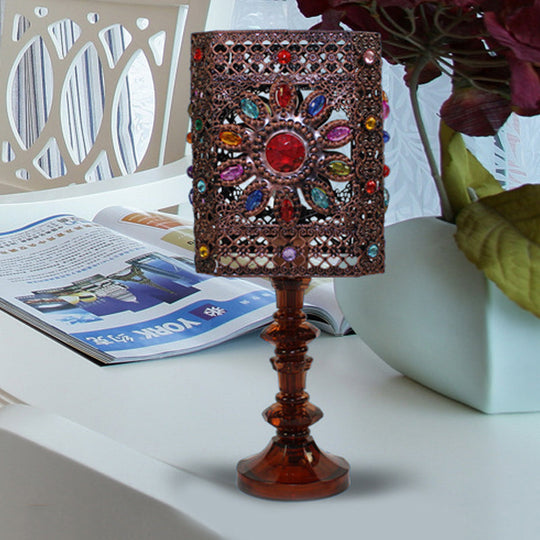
(371, 123)
(230, 138)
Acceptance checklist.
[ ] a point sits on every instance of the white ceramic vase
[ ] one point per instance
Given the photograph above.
(435, 318)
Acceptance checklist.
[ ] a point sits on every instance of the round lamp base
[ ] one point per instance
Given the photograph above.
(293, 473)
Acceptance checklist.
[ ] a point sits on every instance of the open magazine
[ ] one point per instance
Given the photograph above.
(123, 288)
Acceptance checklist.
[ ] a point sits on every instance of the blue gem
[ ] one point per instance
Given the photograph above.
(316, 105)
(373, 251)
(190, 196)
(320, 198)
(385, 136)
(249, 108)
(201, 186)
(254, 200)
(386, 197)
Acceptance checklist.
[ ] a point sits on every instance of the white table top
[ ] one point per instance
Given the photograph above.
(422, 466)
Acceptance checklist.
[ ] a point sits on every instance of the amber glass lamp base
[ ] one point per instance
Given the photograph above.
(292, 467)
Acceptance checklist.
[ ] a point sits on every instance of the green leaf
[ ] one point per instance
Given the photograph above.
(501, 236)
(460, 170)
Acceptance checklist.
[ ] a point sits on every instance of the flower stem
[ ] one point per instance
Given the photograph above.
(447, 212)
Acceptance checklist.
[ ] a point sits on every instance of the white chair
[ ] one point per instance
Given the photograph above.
(70, 143)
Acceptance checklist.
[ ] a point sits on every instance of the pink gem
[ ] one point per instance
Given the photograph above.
(232, 173)
(385, 109)
(285, 152)
(338, 133)
(369, 57)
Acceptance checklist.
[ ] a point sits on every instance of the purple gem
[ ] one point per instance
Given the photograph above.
(190, 171)
(232, 173)
(289, 254)
(338, 133)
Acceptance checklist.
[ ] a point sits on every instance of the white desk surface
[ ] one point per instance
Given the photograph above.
(422, 466)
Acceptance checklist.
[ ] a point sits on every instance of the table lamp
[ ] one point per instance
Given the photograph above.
(288, 184)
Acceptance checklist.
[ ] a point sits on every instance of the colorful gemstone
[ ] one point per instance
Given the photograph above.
(189, 171)
(198, 124)
(204, 252)
(339, 168)
(371, 187)
(385, 110)
(284, 95)
(230, 138)
(254, 200)
(320, 198)
(190, 196)
(283, 57)
(385, 136)
(386, 170)
(369, 57)
(316, 105)
(189, 138)
(289, 254)
(286, 210)
(201, 186)
(371, 123)
(338, 133)
(197, 55)
(373, 251)
(285, 152)
(250, 108)
(386, 197)
(231, 173)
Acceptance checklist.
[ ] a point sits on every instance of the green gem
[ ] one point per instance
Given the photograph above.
(249, 108)
(339, 168)
(320, 198)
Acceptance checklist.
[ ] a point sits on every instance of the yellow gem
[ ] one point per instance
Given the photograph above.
(384, 96)
(204, 252)
(230, 138)
(371, 123)
(339, 167)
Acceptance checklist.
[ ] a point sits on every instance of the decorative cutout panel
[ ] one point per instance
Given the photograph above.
(287, 153)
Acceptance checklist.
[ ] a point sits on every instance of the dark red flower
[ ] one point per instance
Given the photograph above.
(515, 26)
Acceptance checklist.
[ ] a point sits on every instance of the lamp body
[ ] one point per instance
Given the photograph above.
(288, 183)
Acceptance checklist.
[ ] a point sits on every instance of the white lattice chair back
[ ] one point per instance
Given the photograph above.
(73, 73)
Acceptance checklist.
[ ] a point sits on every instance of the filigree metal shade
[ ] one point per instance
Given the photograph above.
(287, 153)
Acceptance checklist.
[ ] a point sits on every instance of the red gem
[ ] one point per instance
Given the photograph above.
(284, 95)
(285, 152)
(283, 57)
(371, 187)
(386, 170)
(287, 210)
(197, 55)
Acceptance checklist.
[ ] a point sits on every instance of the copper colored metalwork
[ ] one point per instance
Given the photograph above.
(324, 101)
(288, 183)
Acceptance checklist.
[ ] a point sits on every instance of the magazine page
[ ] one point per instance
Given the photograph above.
(115, 298)
(175, 234)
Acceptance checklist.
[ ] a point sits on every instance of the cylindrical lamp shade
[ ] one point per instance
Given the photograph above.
(287, 153)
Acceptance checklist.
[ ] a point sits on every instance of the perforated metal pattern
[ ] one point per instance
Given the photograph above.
(287, 134)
